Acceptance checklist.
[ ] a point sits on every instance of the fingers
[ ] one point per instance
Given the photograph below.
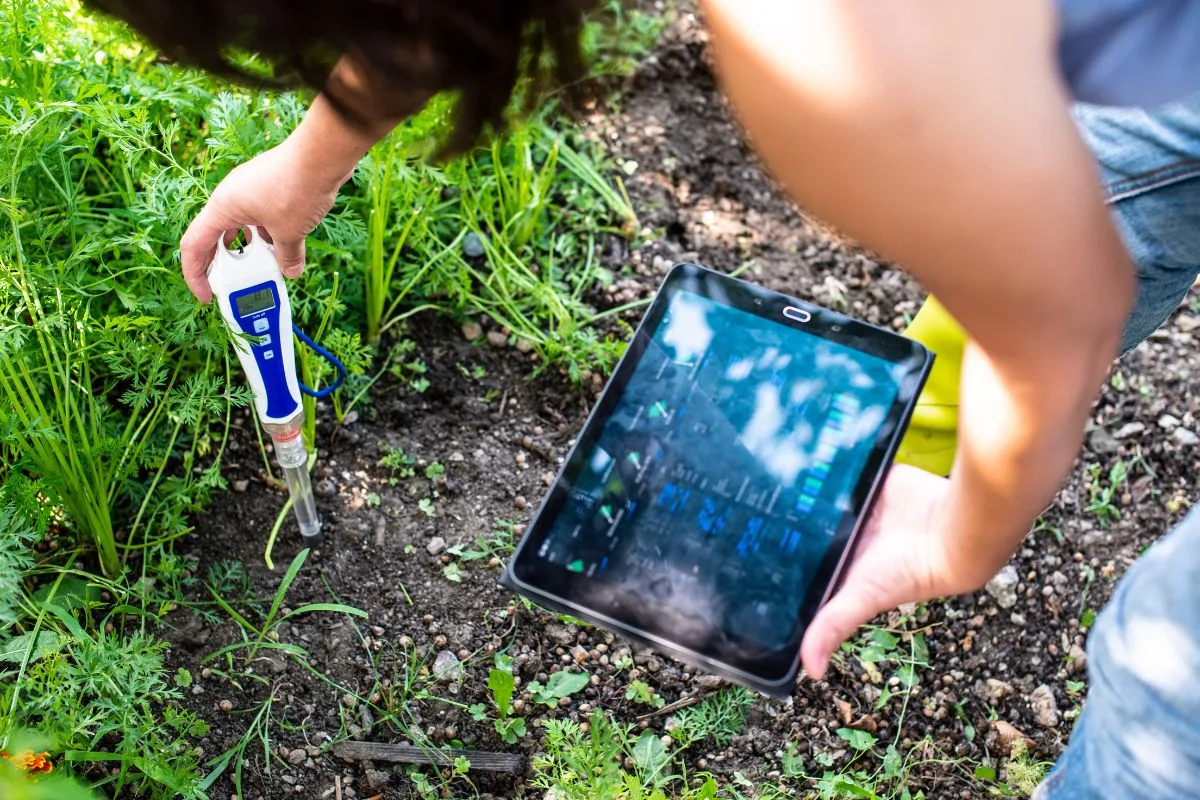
(199, 245)
(854, 605)
(289, 253)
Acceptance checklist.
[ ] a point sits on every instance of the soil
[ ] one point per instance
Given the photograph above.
(702, 196)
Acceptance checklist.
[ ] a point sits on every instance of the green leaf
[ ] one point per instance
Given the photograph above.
(501, 685)
(849, 787)
(561, 684)
(1088, 618)
(907, 674)
(888, 641)
(985, 773)
(16, 650)
(859, 740)
(649, 753)
(434, 471)
(183, 678)
(892, 763)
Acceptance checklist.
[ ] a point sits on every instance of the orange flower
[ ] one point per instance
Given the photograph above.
(33, 763)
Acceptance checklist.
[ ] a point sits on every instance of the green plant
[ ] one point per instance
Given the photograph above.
(579, 765)
(643, 693)
(719, 717)
(1102, 494)
(502, 685)
(400, 464)
(1022, 773)
(264, 636)
(563, 683)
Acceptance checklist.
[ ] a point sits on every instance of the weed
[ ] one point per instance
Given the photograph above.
(502, 685)
(719, 718)
(1021, 772)
(563, 683)
(400, 464)
(1102, 494)
(643, 693)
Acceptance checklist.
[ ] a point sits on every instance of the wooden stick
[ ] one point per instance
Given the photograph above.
(408, 754)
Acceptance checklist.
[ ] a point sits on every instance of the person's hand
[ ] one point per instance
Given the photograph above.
(273, 191)
(904, 555)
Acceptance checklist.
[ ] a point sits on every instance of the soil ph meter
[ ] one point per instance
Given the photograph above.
(253, 300)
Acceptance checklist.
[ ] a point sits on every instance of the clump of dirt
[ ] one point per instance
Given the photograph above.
(1001, 667)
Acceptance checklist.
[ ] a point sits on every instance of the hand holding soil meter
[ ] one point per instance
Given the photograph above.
(712, 500)
(253, 299)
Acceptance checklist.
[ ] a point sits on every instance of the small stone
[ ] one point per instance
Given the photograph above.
(1003, 587)
(524, 345)
(473, 245)
(1130, 429)
(1185, 437)
(297, 757)
(377, 780)
(708, 683)
(471, 331)
(225, 705)
(1168, 422)
(497, 339)
(1018, 620)
(1044, 707)
(350, 418)
(520, 502)
(1076, 659)
(447, 667)
(1101, 442)
(241, 485)
(326, 488)
(436, 545)
(1187, 322)
(560, 633)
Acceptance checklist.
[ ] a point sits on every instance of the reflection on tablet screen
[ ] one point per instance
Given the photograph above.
(720, 478)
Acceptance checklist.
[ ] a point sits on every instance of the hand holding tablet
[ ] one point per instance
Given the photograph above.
(711, 502)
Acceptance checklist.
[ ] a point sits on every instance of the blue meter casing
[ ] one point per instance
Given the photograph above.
(250, 292)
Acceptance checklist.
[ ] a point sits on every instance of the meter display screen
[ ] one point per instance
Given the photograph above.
(255, 302)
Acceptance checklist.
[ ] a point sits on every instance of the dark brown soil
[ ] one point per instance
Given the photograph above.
(702, 196)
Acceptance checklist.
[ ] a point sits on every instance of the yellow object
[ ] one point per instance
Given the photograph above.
(933, 432)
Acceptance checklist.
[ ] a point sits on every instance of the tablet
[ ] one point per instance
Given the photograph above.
(715, 492)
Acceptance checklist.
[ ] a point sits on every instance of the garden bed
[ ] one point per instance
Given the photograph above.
(416, 542)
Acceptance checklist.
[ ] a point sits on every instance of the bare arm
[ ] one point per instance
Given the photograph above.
(287, 190)
(939, 135)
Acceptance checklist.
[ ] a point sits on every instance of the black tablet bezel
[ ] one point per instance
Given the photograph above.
(772, 672)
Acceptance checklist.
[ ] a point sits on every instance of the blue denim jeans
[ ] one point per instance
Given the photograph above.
(1139, 734)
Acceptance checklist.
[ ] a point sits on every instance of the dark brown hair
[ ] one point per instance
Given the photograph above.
(406, 50)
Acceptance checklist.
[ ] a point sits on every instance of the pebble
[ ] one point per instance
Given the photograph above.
(326, 488)
(1130, 429)
(447, 667)
(472, 331)
(225, 705)
(473, 245)
(1018, 620)
(377, 780)
(297, 757)
(1101, 442)
(436, 545)
(1168, 422)
(241, 485)
(1045, 708)
(1003, 587)
(520, 502)
(497, 339)
(1076, 659)
(1185, 437)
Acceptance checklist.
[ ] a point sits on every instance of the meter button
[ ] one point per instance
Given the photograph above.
(261, 325)
(266, 340)
(268, 355)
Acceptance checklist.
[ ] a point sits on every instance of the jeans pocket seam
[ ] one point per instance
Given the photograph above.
(1126, 188)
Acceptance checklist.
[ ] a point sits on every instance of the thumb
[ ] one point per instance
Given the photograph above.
(289, 254)
(855, 604)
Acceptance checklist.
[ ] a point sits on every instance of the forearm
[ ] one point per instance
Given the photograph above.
(938, 135)
(327, 145)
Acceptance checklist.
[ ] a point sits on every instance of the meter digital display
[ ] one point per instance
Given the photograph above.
(255, 302)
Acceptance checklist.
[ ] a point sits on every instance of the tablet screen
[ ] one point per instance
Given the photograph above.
(725, 469)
